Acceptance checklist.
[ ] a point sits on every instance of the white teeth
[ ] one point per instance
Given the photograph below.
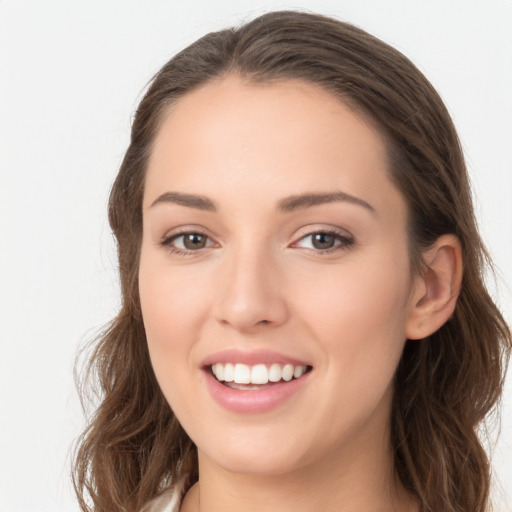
(242, 374)
(274, 373)
(288, 372)
(219, 372)
(257, 374)
(229, 371)
(299, 371)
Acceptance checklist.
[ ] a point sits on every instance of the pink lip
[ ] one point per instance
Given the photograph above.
(251, 358)
(252, 401)
(256, 401)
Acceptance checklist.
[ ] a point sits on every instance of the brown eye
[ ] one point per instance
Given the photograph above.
(193, 241)
(323, 241)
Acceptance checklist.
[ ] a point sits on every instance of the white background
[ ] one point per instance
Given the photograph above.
(71, 73)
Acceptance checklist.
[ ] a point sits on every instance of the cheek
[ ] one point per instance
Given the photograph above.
(358, 315)
(357, 320)
(172, 299)
(368, 291)
(172, 303)
(170, 314)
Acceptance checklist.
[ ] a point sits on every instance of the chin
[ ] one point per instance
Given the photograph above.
(255, 464)
(249, 452)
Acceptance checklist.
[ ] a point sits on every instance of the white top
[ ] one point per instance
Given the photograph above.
(173, 505)
(169, 501)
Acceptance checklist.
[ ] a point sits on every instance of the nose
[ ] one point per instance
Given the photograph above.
(251, 294)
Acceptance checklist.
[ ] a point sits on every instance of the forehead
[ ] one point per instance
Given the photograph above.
(283, 138)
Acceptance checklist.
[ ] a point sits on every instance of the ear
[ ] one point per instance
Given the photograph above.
(436, 290)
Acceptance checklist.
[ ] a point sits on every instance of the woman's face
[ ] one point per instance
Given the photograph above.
(274, 244)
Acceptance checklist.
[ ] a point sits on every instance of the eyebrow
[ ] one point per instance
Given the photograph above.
(189, 200)
(299, 202)
(287, 205)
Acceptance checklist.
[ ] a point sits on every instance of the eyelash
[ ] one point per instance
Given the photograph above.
(344, 242)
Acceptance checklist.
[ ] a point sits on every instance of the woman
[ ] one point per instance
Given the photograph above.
(304, 322)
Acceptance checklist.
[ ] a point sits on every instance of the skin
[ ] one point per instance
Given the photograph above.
(259, 283)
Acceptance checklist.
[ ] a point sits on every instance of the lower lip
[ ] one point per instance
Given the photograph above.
(253, 401)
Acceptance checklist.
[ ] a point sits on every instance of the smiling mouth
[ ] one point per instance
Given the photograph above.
(256, 377)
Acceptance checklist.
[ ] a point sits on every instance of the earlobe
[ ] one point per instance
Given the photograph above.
(437, 289)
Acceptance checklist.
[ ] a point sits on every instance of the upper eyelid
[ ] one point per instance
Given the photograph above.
(184, 230)
(312, 229)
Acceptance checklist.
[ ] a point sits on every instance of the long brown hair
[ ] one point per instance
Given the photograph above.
(445, 384)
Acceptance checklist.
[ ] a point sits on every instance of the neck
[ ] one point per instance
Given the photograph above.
(359, 484)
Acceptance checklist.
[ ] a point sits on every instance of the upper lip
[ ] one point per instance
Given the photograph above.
(251, 357)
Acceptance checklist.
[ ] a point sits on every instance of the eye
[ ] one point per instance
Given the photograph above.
(187, 242)
(324, 241)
